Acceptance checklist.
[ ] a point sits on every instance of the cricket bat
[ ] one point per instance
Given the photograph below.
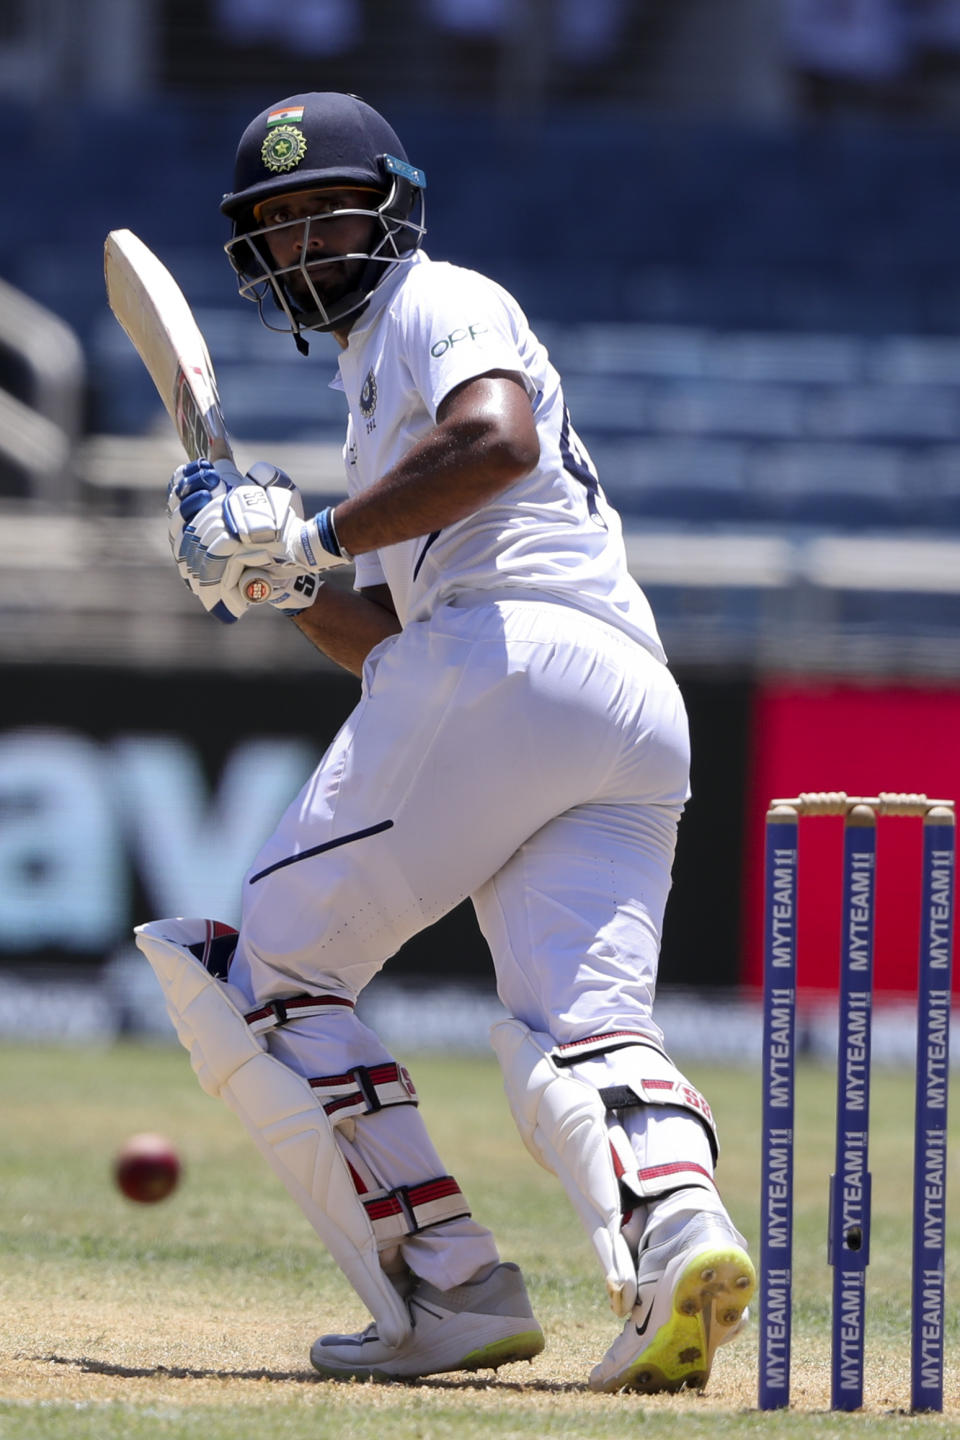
(153, 311)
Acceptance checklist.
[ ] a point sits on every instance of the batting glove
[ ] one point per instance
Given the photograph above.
(254, 527)
(214, 553)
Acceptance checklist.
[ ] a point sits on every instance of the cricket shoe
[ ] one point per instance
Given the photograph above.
(692, 1294)
(481, 1325)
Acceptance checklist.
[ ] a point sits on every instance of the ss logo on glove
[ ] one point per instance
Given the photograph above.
(260, 586)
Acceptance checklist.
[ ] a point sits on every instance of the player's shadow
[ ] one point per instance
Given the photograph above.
(172, 1372)
(305, 1377)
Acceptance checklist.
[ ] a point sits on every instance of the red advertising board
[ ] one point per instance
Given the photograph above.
(860, 739)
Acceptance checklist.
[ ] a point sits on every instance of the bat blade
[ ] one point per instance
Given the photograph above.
(157, 319)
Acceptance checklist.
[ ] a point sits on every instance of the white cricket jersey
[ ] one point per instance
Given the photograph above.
(430, 327)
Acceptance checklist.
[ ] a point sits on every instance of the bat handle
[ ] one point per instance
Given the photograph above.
(219, 448)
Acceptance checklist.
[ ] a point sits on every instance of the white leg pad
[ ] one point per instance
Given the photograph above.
(563, 1123)
(282, 1114)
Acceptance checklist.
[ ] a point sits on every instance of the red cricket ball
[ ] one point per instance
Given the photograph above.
(147, 1168)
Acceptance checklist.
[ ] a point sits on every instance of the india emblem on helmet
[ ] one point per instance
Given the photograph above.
(283, 148)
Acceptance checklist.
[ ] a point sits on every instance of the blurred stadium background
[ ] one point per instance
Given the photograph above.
(736, 224)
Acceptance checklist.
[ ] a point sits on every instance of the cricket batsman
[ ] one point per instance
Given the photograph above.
(518, 739)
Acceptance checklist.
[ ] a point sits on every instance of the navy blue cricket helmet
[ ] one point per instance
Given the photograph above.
(312, 142)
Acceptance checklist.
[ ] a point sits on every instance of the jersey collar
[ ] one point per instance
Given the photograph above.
(384, 293)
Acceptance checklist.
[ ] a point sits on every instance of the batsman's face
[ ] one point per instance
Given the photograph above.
(320, 239)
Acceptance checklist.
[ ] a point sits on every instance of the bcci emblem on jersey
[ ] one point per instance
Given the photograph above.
(368, 396)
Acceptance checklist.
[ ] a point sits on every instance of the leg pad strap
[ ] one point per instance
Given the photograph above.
(644, 1077)
(397, 1214)
(364, 1090)
(649, 1076)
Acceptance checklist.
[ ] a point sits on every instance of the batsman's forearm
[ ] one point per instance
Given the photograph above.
(448, 475)
(346, 626)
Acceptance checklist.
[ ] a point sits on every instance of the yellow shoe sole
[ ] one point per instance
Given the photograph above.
(709, 1299)
(518, 1347)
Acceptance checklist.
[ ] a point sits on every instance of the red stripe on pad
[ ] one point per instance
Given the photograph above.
(610, 1035)
(433, 1190)
(379, 1209)
(298, 1002)
(677, 1167)
(332, 1106)
(358, 1184)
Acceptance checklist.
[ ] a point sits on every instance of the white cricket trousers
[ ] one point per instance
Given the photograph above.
(519, 752)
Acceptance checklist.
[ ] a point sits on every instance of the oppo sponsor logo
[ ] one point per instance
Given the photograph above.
(468, 332)
(81, 822)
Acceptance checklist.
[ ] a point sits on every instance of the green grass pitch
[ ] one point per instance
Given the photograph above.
(194, 1317)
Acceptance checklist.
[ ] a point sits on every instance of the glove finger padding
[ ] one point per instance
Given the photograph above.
(268, 476)
(255, 516)
(226, 603)
(194, 485)
(218, 478)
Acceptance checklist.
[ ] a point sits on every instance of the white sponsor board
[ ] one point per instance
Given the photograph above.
(81, 821)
